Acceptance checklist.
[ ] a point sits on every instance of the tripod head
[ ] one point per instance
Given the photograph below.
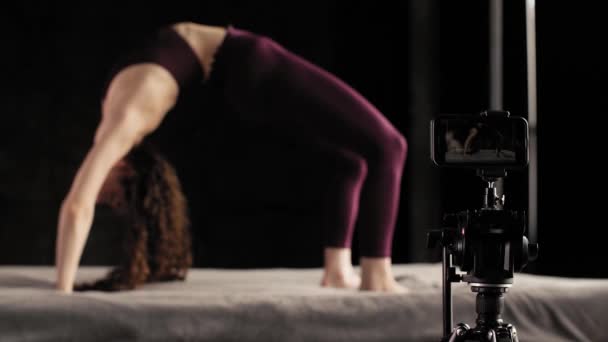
(487, 243)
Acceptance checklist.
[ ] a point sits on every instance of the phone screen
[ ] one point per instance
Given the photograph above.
(479, 142)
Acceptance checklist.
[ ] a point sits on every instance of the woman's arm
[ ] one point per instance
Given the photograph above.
(77, 210)
(137, 100)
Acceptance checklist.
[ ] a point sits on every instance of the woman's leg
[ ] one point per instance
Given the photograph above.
(342, 211)
(344, 204)
(331, 110)
(285, 93)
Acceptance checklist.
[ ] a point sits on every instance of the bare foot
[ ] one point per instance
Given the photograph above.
(350, 280)
(388, 286)
(339, 271)
(377, 275)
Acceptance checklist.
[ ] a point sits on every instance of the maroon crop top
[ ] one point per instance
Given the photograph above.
(167, 49)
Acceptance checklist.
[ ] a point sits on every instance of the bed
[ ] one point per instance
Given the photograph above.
(286, 305)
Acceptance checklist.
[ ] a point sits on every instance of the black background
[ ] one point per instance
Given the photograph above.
(258, 200)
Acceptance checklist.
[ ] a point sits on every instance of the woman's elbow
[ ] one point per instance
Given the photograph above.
(73, 211)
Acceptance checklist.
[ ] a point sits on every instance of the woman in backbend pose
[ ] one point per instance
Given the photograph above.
(266, 85)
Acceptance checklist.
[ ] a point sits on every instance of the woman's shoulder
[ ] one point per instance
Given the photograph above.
(186, 28)
(166, 48)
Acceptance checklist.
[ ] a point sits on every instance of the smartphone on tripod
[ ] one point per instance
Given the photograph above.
(487, 243)
(480, 141)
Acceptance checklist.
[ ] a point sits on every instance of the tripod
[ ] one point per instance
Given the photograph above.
(489, 307)
(490, 326)
(489, 245)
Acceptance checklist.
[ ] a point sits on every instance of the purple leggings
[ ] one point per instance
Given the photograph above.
(270, 87)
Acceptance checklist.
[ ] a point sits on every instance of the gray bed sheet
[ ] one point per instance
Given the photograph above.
(286, 305)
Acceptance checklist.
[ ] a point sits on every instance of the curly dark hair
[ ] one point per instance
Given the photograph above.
(157, 245)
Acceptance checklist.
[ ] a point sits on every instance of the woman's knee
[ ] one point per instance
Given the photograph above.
(356, 165)
(399, 146)
(390, 150)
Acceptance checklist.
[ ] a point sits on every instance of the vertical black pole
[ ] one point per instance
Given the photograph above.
(496, 55)
(496, 65)
(448, 321)
(422, 180)
(532, 119)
